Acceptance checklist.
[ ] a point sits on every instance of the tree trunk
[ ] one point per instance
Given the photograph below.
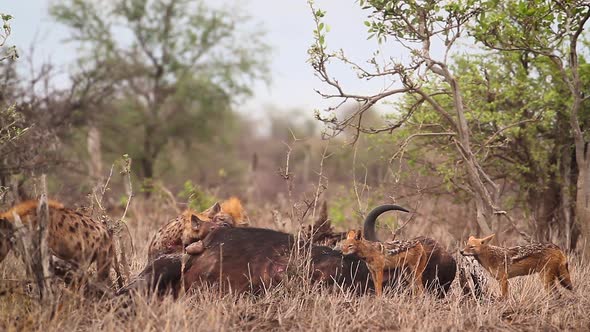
(582, 150)
(482, 216)
(147, 170)
(147, 167)
(306, 165)
(42, 252)
(583, 202)
(94, 152)
(582, 147)
(485, 201)
(567, 175)
(484, 190)
(148, 160)
(545, 196)
(545, 203)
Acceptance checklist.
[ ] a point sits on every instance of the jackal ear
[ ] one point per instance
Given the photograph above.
(195, 222)
(487, 239)
(351, 235)
(359, 235)
(213, 210)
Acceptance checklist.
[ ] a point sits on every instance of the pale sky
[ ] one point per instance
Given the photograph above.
(289, 28)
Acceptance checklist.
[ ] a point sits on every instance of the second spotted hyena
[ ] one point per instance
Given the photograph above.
(192, 226)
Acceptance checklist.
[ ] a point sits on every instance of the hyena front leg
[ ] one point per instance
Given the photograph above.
(104, 260)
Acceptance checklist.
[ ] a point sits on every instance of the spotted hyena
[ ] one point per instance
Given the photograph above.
(72, 236)
(192, 226)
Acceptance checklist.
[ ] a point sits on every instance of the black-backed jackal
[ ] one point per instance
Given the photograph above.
(387, 255)
(505, 263)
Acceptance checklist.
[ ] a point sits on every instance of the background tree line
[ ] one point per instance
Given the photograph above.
(499, 133)
(507, 126)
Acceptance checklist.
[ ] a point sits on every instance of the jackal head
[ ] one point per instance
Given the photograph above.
(351, 244)
(474, 246)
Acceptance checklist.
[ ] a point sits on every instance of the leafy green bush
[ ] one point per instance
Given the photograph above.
(198, 198)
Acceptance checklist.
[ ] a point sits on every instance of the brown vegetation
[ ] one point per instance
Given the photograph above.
(493, 140)
(294, 303)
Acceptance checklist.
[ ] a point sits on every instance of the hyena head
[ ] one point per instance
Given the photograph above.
(199, 229)
(200, 224)
(211, 211)
(475, 246)
(352, 242)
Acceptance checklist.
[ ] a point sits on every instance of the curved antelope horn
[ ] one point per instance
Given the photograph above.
(369, 223)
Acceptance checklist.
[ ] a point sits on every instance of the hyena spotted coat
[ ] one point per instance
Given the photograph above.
(192, 226)
(72, 236)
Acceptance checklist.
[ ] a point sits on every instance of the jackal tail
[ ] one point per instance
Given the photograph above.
(564, 276)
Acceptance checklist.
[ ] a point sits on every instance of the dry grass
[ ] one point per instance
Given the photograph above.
(293, 305)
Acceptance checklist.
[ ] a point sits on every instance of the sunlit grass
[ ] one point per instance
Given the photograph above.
(293, 305)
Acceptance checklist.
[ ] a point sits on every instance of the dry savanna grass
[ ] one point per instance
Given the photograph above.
(292, 305)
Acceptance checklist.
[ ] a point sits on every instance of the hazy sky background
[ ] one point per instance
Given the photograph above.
(289, 28)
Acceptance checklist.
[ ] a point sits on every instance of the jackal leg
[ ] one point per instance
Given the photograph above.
(504, 286)
(418, 286)
(378, 281)
(418, 270)
(548, 276)
(564, 277)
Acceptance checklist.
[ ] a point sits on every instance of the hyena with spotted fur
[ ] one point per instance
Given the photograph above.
(192, 226)
(72, 236)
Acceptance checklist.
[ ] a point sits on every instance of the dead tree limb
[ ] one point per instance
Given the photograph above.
(31, 244)
(42, 255)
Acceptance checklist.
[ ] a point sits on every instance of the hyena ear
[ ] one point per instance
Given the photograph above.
(195, 222)
(351, 235)
(487, 239)
(213, 210)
